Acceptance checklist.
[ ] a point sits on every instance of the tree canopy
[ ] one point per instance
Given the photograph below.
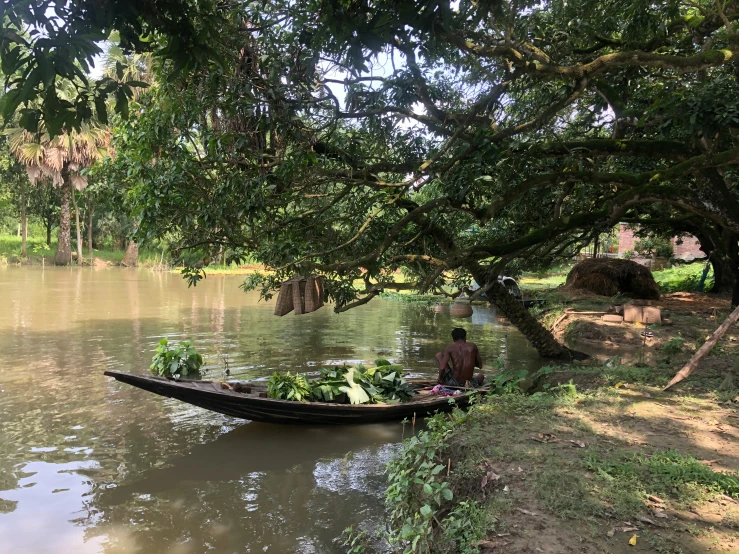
(449, 140)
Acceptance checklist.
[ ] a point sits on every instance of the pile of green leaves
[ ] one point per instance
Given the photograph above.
(286, 386)
(346, 384)
(178, 361)
(389, 379)
(383, 384)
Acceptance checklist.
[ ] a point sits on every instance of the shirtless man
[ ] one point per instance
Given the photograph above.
(464, 357)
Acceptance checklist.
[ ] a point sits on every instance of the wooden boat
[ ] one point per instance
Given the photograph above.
(251, 402)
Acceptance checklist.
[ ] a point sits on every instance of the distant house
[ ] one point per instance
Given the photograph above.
(688, 248)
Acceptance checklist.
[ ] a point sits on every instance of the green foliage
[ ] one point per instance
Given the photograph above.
(286, 386)
(416, 489)
(673, 346)
(654, 247)
(508, 381)
(682, 278)
(286, 190)
(45, 45)
(383, 384)
(465, 525)
(175, 362)
(355, 542)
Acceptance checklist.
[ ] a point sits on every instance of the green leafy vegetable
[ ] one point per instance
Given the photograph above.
(181, 361)
(345, 384)
(286, 386)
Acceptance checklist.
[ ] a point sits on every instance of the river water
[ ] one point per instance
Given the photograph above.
(88, 464)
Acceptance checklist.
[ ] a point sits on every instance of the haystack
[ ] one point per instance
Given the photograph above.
(607, 276)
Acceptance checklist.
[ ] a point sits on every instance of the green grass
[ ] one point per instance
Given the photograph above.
(683, 278)
(536, 283)
(10, 246)
(628, 478)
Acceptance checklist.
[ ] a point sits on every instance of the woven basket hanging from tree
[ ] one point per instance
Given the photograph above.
(300, 295)
(313, 293)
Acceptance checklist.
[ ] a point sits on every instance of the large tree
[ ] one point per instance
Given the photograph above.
(60, 160)
(452, 143)
(452, 140)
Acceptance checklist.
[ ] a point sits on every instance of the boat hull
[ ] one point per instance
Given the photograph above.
(212, 396)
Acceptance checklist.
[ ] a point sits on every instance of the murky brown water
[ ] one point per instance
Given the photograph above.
(88, 464)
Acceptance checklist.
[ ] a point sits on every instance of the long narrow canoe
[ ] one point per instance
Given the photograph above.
(251, 402)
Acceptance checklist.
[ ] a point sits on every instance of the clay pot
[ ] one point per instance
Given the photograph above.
(441, 309)
(461, 308)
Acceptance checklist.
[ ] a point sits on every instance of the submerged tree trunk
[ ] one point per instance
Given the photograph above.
(24, 223)
(80, 259)
(64, 247)
(131, 258)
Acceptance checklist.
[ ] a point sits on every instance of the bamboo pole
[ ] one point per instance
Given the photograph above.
(705, 349)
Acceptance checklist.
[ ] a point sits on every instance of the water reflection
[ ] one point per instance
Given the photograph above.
(91, 465)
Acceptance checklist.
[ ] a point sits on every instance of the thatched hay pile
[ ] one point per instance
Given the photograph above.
(607, 276)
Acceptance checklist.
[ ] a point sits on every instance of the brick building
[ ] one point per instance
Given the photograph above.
(688, 250)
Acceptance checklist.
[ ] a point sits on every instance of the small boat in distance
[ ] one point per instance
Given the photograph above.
(250, 401)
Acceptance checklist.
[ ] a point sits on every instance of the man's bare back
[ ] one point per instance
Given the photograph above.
(464, 357)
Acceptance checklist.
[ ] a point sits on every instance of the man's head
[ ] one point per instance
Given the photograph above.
(459, 334)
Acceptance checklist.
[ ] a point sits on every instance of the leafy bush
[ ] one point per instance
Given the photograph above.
(673, 346)
(654, 247)
(285, 386)
(417, 486)
(181, 361)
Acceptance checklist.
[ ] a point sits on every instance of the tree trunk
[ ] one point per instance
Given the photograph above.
(725, 262)
(538, 335)
(131, 258)
(24, 223)
(63, 254)
(80, 259)
(49, 222)
(90, 209)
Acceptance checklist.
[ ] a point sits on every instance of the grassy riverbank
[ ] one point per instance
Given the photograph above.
(574, 471)
(149, 258)
(599, 459)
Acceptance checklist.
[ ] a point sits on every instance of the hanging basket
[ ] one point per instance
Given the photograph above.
(300, 295)
(313, 293)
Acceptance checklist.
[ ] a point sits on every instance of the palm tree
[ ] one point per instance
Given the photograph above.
(60, 159)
